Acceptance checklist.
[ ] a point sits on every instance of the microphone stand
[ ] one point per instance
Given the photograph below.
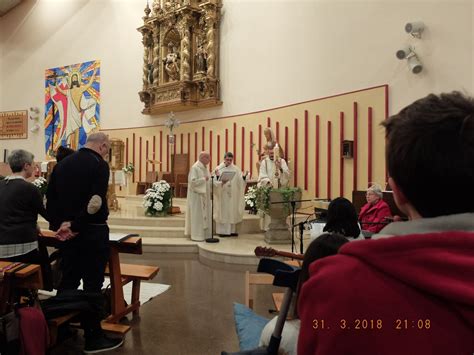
(212, 239)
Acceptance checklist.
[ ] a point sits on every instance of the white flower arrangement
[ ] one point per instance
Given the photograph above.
(251, 199)
(157, 199)
(42, 184)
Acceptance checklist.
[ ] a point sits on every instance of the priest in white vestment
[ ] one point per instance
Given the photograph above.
(229, 203)
(198, 208)
(274, 171)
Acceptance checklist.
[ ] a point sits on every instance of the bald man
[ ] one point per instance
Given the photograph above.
(77, 204)
(198, 209)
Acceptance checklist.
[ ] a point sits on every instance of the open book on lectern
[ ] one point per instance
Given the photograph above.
(226, 176)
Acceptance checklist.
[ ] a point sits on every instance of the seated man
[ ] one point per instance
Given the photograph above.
(411, 292)
(374, 213)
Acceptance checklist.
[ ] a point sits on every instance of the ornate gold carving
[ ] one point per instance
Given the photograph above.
(180, 66)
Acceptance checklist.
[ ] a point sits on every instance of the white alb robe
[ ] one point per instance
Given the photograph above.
(229, 203)
(266, 174)
(198, 208)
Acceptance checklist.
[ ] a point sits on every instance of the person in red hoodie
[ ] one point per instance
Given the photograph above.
(374, 213)
(410, 290)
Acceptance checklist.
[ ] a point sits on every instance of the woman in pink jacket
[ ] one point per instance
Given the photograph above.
(373, 214)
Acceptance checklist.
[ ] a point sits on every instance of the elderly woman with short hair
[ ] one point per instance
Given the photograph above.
(20, 204)
(375, 212)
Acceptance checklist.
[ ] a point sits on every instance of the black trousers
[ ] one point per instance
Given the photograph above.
(85, 257)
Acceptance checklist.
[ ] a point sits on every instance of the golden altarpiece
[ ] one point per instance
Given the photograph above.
(181, 55)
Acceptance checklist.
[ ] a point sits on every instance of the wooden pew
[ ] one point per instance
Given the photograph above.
(118, 277)
(135, 274)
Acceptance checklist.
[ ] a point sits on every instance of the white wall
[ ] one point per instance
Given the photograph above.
(272, 52)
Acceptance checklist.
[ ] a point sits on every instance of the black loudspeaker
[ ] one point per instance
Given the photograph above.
(347, 149)
(5, 155)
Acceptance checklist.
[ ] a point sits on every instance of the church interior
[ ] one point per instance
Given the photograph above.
(173, 82)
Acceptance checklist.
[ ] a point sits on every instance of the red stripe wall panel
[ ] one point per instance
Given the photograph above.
(269, 122)
(181, 144)
(146, 156)
(195, 146)
(161, 150)
(341, 159)
(260, 138)
(306, 149)
(219, 156)
(167, 152)
(355, 145)
(226, 140)
(369, 143)
(210, 150)
(316, 158)
(203, 137)
(295, 154)
(133, 157)
(287, 152)
(277, 133)
(242, 164)
(189, 148)
(235, 143)
(154, 152)
(329, 162)
(126, 151)
(140, 160)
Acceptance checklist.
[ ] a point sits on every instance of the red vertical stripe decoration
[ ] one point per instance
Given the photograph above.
(306, 150)
(146, 156)
(219, 157)
(154, 152)
(242, 165)
(140, 160)
(260, 138)
(316, 158)
(126, 151)
(161, 150)
(210, 150)
(235, 143)
(341, 158)
(181, 143)
(287, 153)
(133, 157)
(329, 160)
(269, 122)
(226, 140)
(386, 116)
(369, 160)
(295, 154)
(277, 133)
(189, 148)
(195, 146)
(203, 145)
(167, 152)
(251, 153)
(354, 151)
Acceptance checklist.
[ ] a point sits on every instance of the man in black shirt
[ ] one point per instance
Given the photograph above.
(77, 206)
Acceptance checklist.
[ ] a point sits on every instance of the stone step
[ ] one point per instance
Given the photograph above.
(150, 232)
(170, 221)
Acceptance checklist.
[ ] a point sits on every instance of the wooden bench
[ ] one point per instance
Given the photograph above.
(135, 274)
(263, 279)
(55, 323)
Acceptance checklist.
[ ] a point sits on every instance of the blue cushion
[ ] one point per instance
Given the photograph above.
(249, 326)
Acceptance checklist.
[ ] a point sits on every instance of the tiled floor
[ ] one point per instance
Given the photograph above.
(194, 317)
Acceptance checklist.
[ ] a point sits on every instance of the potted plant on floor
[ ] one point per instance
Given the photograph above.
(157, 199)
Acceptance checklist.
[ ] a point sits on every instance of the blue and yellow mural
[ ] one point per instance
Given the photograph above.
(72, 100)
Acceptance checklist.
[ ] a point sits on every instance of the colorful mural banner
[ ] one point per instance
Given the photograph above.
(72, 105)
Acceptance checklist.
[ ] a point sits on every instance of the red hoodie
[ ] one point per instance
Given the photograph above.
(410, 294)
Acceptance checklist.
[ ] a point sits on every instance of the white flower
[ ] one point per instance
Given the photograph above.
(158, 206)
